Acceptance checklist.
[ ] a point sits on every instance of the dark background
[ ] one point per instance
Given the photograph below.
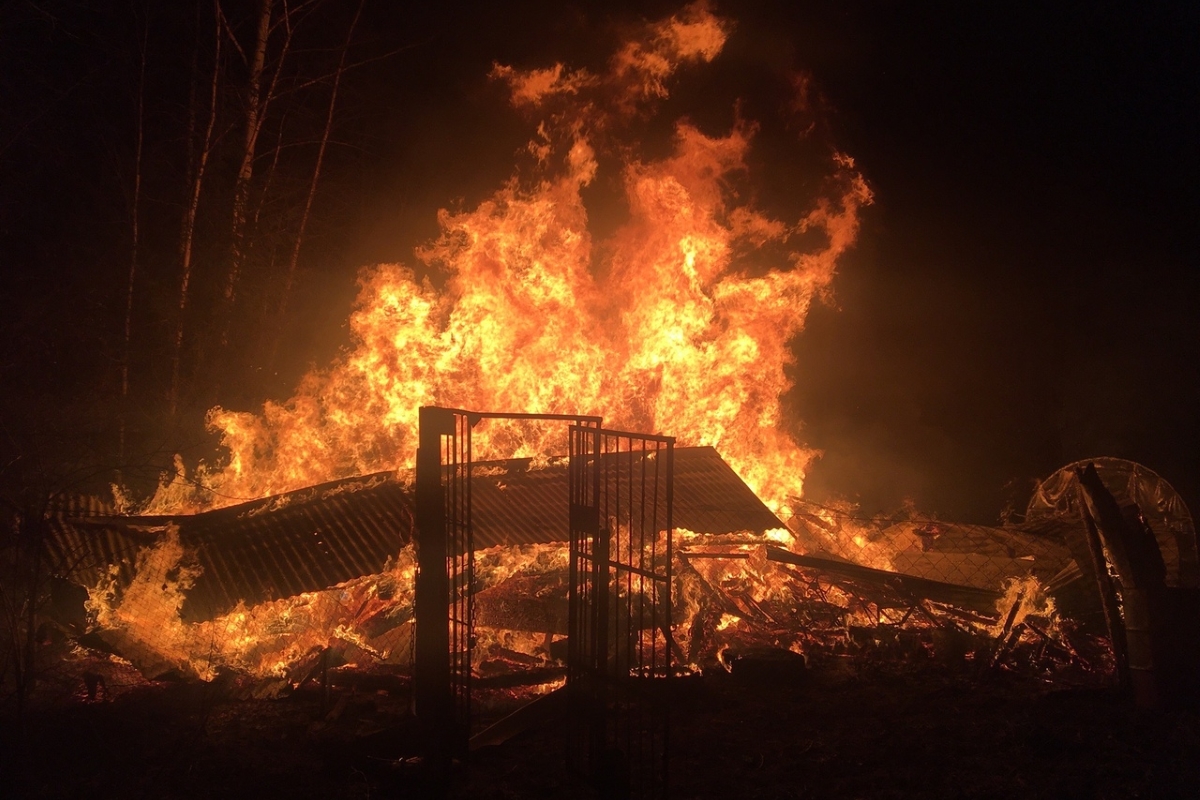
(1021, 296)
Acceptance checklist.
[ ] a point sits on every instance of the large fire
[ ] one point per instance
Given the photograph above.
(521, 309)
(680, 321)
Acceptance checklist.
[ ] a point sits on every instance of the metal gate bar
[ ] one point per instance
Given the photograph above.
(620, 643)
(587, 616)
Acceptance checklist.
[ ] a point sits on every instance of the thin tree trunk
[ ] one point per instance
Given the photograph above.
(288, 30)
(270, 176)
(133, 258)
(199, 166)
(193, 88)
(290, 280)
(241, 192)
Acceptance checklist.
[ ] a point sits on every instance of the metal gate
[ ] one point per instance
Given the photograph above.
(445, 585)
(620, 646)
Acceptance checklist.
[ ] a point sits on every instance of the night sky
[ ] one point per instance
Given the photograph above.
(1022, 294)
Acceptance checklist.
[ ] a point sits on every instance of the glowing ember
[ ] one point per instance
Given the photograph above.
(653, 328)
(1026, 601)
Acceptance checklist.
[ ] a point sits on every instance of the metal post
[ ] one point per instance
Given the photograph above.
(432, 697)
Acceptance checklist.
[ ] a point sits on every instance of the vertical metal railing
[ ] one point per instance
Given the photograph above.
(460, 573)
(620, 642)
(585, 648)
(636, 509)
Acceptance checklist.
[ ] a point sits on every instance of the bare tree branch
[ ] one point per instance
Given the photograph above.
(189, 224)
(316, 176)
(133, 258)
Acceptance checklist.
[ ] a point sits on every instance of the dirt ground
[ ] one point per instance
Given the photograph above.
(839, 730)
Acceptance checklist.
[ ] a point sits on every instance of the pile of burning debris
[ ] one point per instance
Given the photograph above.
(278, 591)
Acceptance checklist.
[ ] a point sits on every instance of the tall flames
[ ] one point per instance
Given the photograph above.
(672, 323)
(679, 321)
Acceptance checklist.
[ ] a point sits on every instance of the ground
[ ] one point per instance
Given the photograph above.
(838, 730)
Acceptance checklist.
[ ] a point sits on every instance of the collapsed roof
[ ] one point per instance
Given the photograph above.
(324, 535)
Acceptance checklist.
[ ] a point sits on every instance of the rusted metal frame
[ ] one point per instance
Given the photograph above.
(582, 419)
(631, 646)
(597, 556)
(468, 562)
(448, 459)
(653, 585)
(650, 437)
(641, 556)
(610, 515)
(601, 542)
(635, 715)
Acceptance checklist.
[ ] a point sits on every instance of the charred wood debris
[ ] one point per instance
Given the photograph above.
(1082, 599)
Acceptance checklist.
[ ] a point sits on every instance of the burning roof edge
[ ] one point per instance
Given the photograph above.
(322, 535)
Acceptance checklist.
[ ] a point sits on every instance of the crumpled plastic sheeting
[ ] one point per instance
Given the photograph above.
(1130, 482)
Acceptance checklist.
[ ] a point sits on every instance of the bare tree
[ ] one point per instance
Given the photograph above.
(136, 239)
(258, 102)
(196, 174)
(255, 112)
(316, 175)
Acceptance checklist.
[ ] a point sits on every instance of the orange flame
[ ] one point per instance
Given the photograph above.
(652, 328)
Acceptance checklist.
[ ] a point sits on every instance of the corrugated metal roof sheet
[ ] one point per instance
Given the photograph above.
(295, 543)
(711, 498)
(83, 549)
(265, 549)
(321, 536)
(512, 504)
